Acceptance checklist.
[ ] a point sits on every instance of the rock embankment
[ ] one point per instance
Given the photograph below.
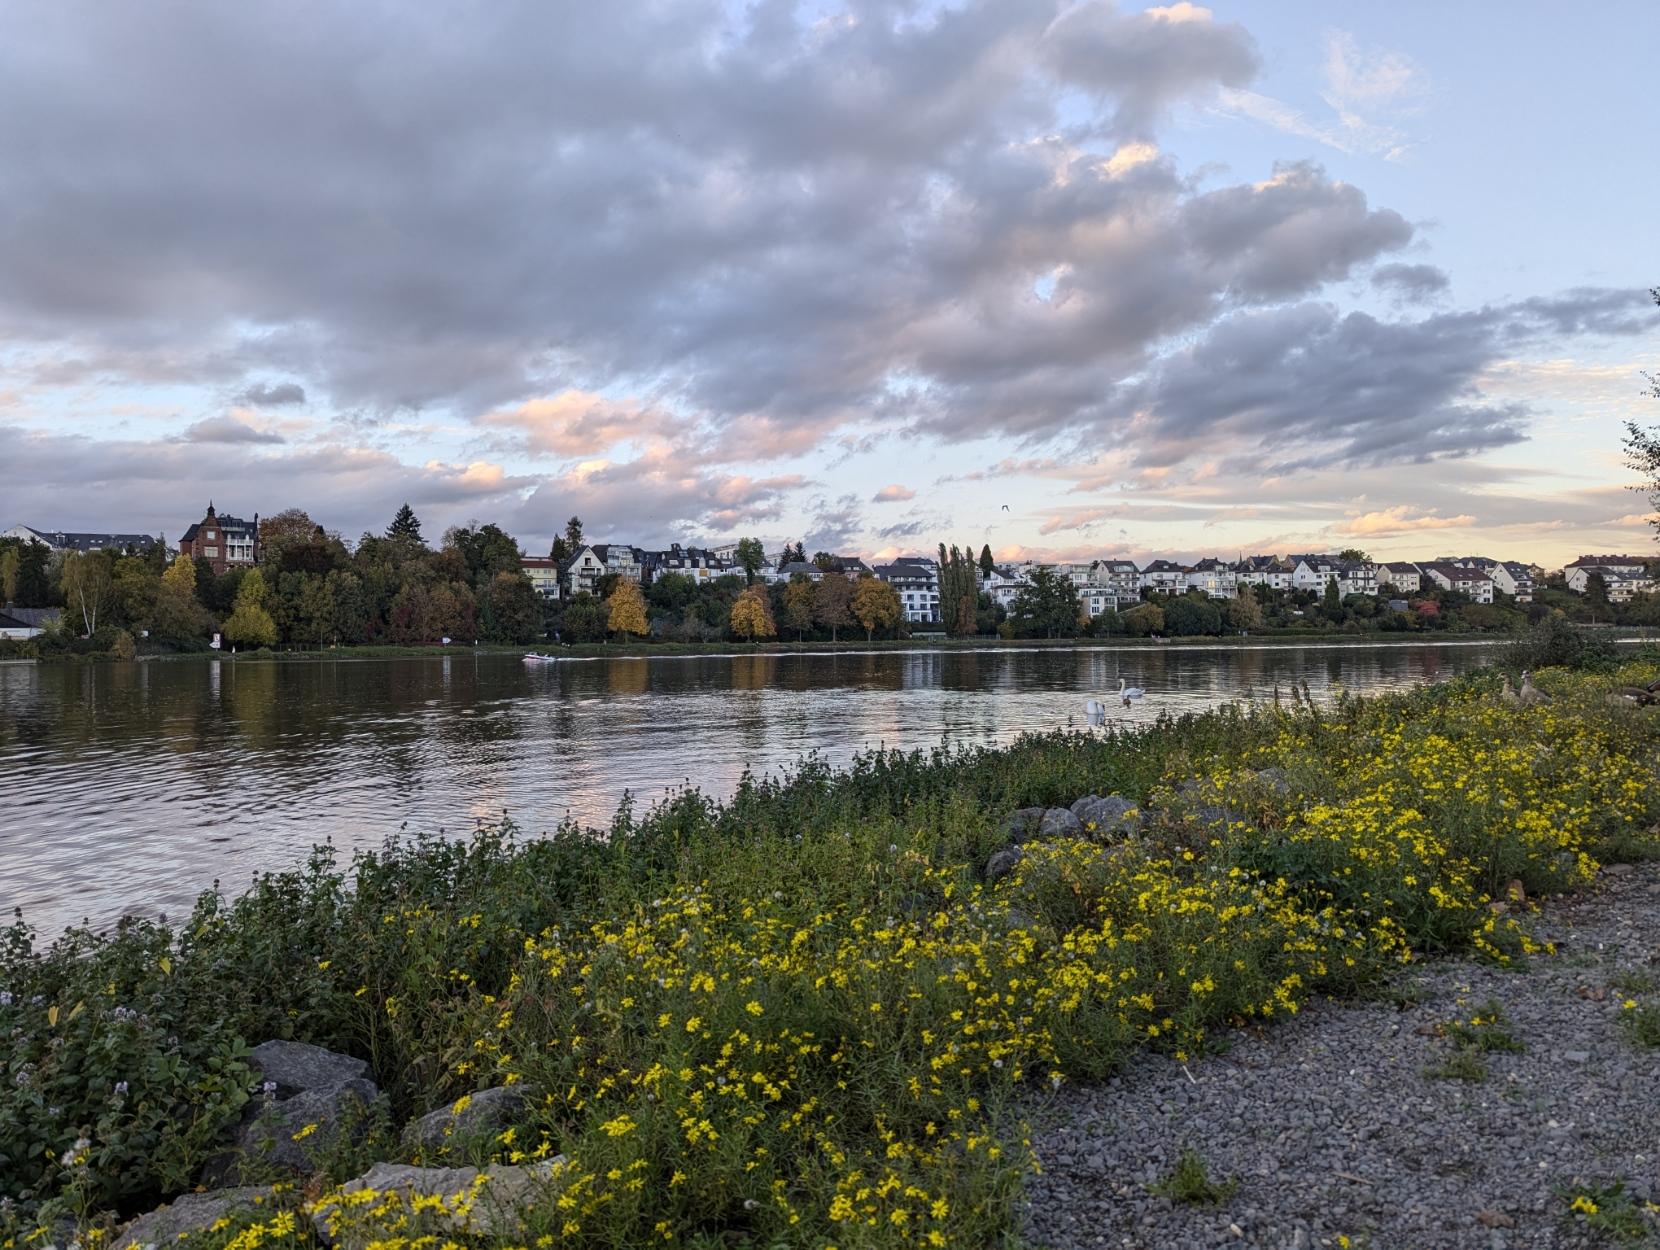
(1375, 1122)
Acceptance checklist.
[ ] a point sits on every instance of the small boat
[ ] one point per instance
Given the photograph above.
(536, 657)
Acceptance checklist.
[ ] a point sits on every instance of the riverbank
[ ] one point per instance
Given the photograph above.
(1392, 1121)
(596, 651)
(813, 1013)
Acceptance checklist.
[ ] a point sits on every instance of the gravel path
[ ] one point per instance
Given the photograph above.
(1333, 1129)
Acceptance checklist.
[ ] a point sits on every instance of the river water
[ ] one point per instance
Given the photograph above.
(130, 787)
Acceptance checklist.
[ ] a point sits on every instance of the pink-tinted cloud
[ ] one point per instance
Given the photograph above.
(894, 493)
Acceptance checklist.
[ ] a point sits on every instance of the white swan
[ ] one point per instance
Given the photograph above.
(1129, 693)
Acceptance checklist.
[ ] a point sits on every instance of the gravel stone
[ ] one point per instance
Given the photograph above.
(1333, 1129)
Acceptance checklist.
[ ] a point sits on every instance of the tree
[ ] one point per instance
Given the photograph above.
(9, 562)
(833, 604)
(88, 585)
(1642, 448)
(1596, 591)
(1354, 555)
(250, 622)
(876, 605)
(628, 609)
(1331, 603)
(1046, 605)
(34, 583)
(987, 565)
(751, 556)
(751, 615)
(798, 603)
(573, 535)
(1187, 615)
(487, 550)
(181, 575)
(292, 527)
(585, 619)
(959, 581)
(405, 526)
(1144, 619)
(512, 608)
(1244, 612)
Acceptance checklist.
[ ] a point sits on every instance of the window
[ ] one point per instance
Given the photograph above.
(210, 552)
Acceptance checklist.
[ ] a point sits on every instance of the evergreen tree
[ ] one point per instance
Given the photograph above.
(405, 525)
(34, 583)
(987, 564)
(573, 535)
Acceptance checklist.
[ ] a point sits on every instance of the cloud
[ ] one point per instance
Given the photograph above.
(1146, 62)
(263, 395)
(227, 430)
(1413, 283)
(579, 423)
(893, 494)
(1357, 82)
(1400, 520)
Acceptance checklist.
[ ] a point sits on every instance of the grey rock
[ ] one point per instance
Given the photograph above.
(189, 1213)
(1003, 863)
(485, 1113)
(1057, 822)
(1577, 1056)
(1021, 825)
(1111, 814)
(500, 1193)
(1273, 779)
(298, 1066)
(297, 1134)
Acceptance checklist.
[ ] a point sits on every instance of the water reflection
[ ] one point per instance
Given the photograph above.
(132, 786)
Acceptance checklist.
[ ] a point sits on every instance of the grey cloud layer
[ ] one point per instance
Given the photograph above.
(778, 227)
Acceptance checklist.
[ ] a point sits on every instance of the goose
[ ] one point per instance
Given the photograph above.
(1634, 694)
(1507, 692)
(1530, 694)
(1654, 686)
(1129, 693)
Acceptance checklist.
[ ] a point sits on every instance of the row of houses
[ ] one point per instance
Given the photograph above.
(226, 542)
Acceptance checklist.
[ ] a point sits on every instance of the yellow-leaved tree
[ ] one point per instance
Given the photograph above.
(628, 609)
(752, 615)
(249, 623)
(876, 604)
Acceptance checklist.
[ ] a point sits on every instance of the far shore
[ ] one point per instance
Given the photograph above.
(649, 650)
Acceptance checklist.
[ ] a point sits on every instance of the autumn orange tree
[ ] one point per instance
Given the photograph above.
(752, 616)
(628, 609)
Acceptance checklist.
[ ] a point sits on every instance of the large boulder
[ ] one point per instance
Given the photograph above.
(486, 1204)
(298, 1134)
(1058, 822)
(189, 1213)
(295, 1067)
(1003, 863)
(470, 1118)
(1021, 825)
(1107, 815)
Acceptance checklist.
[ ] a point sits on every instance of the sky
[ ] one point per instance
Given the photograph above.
(1068, 280)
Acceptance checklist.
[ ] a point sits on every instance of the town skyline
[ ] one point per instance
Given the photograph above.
(1265, 285)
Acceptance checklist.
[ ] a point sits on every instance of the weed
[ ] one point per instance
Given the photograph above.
(1189, 1182)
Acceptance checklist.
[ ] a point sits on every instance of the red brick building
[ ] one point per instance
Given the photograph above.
(225, 542)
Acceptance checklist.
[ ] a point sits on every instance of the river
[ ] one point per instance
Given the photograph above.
(130, 787)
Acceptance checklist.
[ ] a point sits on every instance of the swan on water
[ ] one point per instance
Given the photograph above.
(1129, 693)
